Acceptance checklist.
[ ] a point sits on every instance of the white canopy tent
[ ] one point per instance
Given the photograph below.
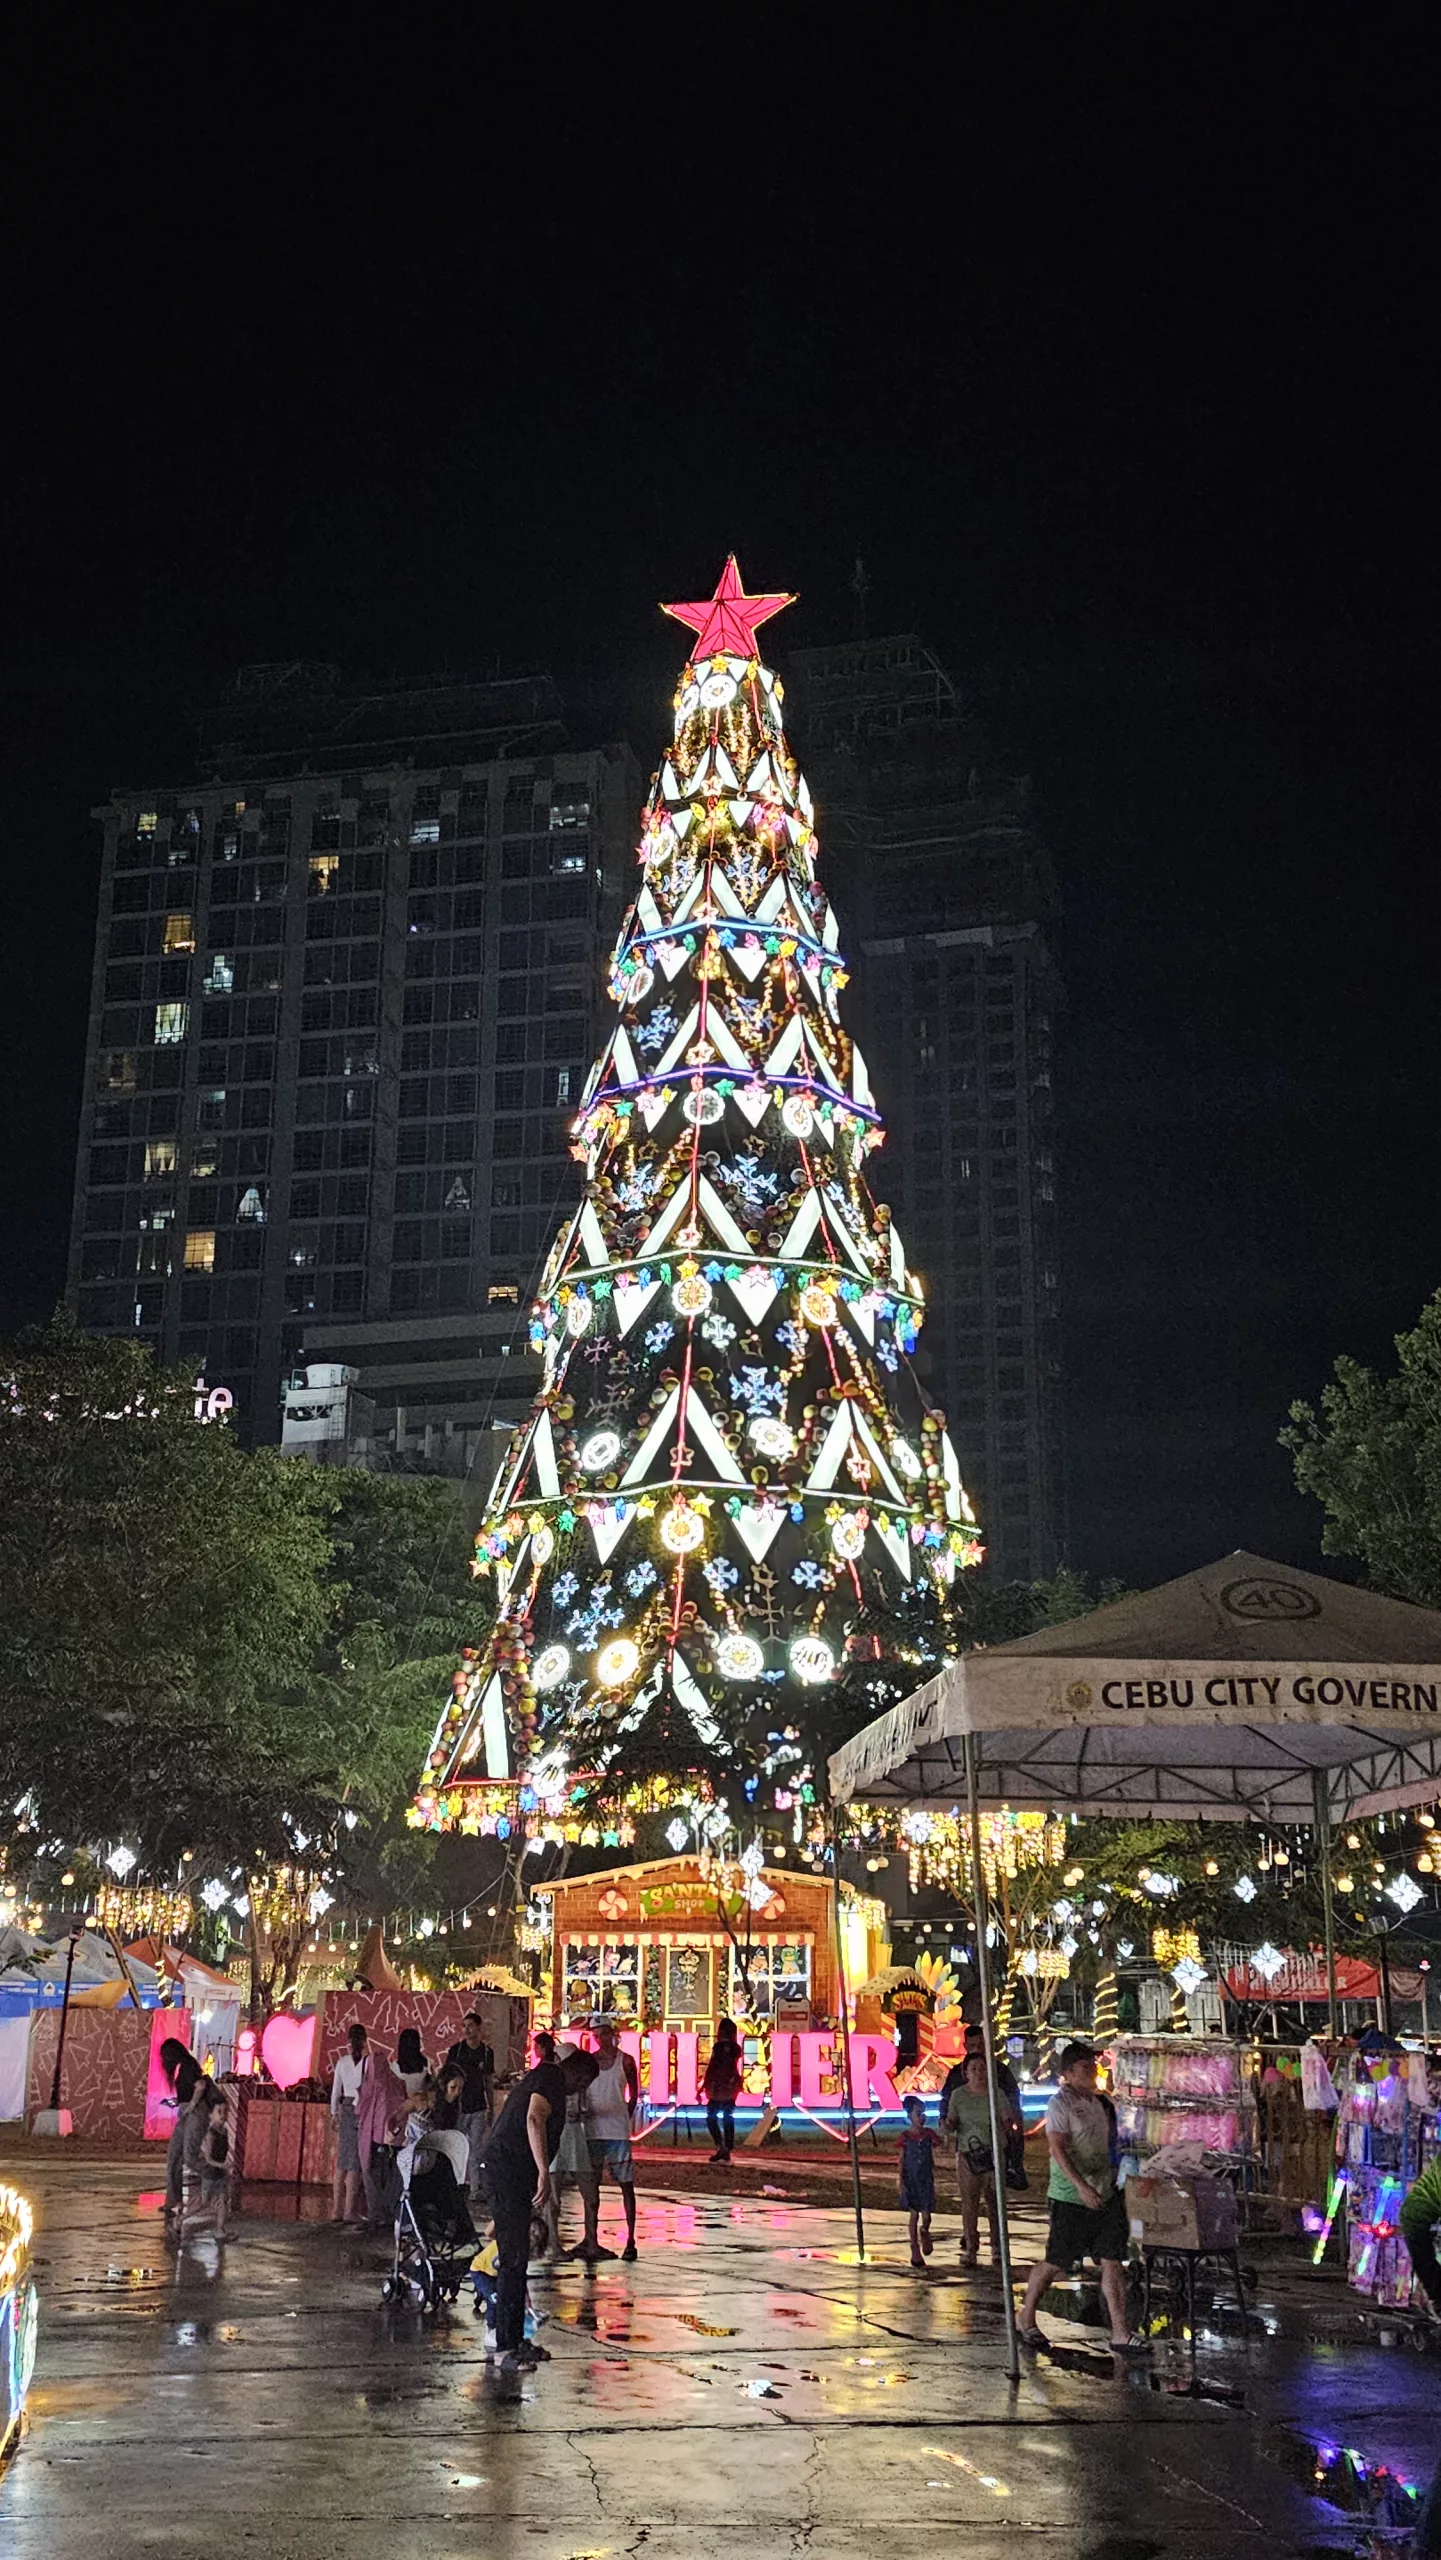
(1246, 1691)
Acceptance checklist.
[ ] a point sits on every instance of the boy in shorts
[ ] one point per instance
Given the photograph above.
(1088, 2213)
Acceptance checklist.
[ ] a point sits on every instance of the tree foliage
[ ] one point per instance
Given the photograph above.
(201, 1647)
(1372, 1458)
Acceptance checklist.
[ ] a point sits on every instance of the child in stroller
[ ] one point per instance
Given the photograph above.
(435, 2238)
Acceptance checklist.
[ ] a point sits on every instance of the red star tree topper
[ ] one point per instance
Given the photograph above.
(730, 1479)
(726, 623)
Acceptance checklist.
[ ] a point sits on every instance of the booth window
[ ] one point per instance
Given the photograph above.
(776, 1973)
(605, 1978)
(688, 1982)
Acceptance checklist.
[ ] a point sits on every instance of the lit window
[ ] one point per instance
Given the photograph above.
(118, 1071)
(237, 808)
(503, 1293)
(457, 1197)
(160, 1157)
(204, 1162)
(425, 831)
(147, 822)
(323, 870)
(200, 1249)
(562, 1084)
(567, 861)
(179, 933)
(251, 1205)
(220, 976)
(170, 1023)
(568, 812)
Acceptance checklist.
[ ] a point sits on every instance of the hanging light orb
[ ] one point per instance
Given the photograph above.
(549, 1668)
(617, 1662)
(600, 1451)
(774, 1439)
(797, 1115)
(682, 1530)
(704, 1108)
(848, 1537)
(818, 1304)
(691, 1295)
(739, 1658)
(812, 1660)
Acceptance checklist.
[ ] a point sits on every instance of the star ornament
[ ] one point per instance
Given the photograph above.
(726, 623)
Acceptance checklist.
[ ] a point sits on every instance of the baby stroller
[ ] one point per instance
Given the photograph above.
(435, 2238)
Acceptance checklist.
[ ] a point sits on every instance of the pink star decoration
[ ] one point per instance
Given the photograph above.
(726, 622)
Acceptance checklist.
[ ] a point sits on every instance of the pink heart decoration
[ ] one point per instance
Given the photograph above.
(287, 2048)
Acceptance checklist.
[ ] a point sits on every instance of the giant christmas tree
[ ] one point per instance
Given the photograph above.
(730, 1475)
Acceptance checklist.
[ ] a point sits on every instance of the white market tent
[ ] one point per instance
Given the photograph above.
(1246, 1691)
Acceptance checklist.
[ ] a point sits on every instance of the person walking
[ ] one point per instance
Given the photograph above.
(474, 2060)
(611, 2102)
(968, 2121)
(517, 2172)
(212, 2159)
(351, 2073)
(1088, 2213)
(1010, 2088)
(917, 2174)
(721, 2086)
(186, 2076)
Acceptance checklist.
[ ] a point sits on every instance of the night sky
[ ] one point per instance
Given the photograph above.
(1106, 337)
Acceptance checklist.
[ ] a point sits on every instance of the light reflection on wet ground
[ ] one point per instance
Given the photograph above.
(748, 2377)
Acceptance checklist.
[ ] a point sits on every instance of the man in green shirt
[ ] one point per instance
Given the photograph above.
(1088, 2216)
(1420, 2212)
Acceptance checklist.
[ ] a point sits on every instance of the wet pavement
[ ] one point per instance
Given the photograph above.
(746, 2379)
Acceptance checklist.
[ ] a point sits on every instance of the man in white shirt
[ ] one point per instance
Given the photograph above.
(610, 2106)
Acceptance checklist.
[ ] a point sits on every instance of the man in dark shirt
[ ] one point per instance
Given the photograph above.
(475, 2062)
(517, 2171)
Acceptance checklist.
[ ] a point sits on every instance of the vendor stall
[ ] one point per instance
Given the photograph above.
(1387, 2131)
(1170, 2089)
(672, 1945)
(667, 1949)
(1245, 1691)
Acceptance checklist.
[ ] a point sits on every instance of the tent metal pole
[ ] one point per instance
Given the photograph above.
(983, 1973)
(844, 2006)
(1321, 1803)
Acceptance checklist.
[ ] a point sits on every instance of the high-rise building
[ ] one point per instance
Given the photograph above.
(947, 895)
(346, 988)
(333, 1057)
